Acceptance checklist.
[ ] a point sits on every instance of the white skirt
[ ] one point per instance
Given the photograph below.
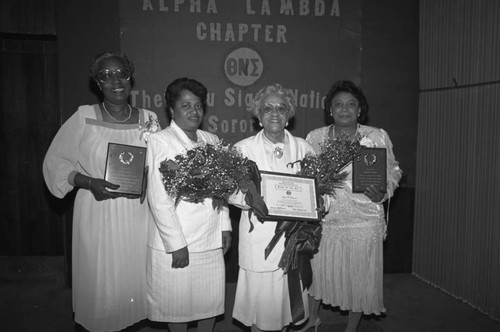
(262, 299)
(109, 259)
(188, 294)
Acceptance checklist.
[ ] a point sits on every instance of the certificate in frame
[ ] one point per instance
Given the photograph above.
(125, 167)
(289, 197)
(370, 168)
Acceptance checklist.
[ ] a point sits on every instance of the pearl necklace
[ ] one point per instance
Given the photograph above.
(125, 120)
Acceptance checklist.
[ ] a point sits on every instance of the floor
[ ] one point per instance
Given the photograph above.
(42, 303)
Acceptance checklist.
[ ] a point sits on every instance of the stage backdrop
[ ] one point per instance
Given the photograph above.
(236, 47)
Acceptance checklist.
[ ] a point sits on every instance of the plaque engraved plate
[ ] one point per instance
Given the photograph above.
(370, 168)
(125, 167)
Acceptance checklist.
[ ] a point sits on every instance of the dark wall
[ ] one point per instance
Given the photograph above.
(390, 80)
(84, 29)
(389, 64)
(30, 217)
(389, 72)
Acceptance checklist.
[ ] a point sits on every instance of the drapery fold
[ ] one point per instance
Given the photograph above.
(456, 234)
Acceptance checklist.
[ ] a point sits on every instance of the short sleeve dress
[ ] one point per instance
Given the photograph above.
(348, 269)
(109, 237)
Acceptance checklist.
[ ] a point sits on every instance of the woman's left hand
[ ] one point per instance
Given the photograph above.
(374, 194)
(99, 188)
(226, 241)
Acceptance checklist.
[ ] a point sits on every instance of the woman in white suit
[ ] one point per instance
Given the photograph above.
(187, 242)
(262, 299)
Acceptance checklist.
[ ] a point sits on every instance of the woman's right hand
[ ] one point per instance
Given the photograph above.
(180, 258)
(374, 194)
(98, 187)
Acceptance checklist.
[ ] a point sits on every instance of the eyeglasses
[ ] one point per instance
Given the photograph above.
(107, 75)
(268, 108)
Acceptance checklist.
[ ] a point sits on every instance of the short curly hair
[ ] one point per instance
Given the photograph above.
(175, 88)
(355, 91)
(99, 58)
(273, 89)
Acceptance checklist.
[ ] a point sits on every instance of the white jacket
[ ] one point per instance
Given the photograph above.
(252, 244)
(197, 226)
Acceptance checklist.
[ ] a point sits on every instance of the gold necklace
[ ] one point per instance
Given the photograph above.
(125, 120)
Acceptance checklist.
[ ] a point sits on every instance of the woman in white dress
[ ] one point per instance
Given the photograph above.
(109, 229)
(187, 242)
(262, 297)
(348, 269)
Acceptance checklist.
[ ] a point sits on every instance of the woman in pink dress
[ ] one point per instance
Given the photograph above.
(109, 229)
(348, 269)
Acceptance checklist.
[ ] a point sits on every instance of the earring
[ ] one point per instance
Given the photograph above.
(286, 124)
(260, 123)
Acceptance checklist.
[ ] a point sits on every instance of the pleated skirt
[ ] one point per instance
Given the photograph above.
(348, 269)
(109, 262)
(188, 294)
(262, 299)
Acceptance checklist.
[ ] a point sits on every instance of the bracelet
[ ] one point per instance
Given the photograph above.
(90, 180)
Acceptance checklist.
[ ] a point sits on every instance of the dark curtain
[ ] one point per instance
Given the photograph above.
(457, 197)
(31, 219)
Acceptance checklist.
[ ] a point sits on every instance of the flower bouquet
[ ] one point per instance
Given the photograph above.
(213, 171)
(327, 166)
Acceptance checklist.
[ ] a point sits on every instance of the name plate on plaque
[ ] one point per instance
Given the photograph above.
(370, 168)
(125, 167)
(289, 197)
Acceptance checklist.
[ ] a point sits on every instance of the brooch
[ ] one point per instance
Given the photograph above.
(278, 152)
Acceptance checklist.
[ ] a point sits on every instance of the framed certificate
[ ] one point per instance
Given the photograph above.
(370, 167)
(125, 167)
(289, 197)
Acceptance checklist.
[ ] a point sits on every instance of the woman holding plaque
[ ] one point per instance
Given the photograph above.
(262, 295)
(187, 241)
(109, 228)
(348, 269)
